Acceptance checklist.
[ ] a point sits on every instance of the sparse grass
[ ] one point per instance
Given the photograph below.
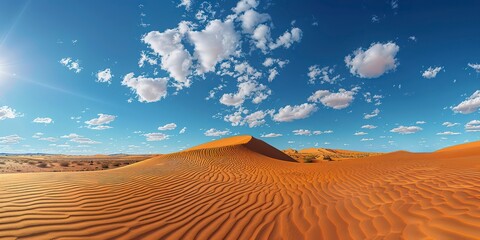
(2, 162)
(309, 159)
(328, 158)
(65, 164)
(42, 165)
(116, 164)
(105, 165)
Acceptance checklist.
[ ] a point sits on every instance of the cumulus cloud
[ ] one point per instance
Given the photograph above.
(302, 132)
(186, 3)
(216, 42)
(406, 129)
(8, 112)
(251, 18)
(212, 132)
(258, 92)
(339, 100)
(101, 122)
(254, 119)
(147, 89)
(10, 139)
(168, 126)
(71, 64)
(373, 114)
(271, 135)
(470, 105)
(175, 59)
(473, 126)
(45, 120)
(324, 74)
(450, 124)
(448, 133)
(431, 72)
(152, 137)
(373, 62)
(104, 76)
(475, 66)
(369, 126)
(287, 39)
(291, 113)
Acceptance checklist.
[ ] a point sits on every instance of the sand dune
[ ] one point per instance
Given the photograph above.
(241, 188)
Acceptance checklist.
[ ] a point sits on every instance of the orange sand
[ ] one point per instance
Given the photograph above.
(230, 189)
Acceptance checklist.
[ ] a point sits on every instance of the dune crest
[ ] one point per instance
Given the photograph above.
(235, 189)
(250, 143)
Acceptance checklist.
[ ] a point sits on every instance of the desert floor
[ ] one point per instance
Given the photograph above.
(242, 188)
(64, 163)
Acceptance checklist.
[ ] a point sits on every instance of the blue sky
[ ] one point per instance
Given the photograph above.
(78, 77)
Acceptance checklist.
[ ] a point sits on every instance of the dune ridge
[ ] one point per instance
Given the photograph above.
(231, 189)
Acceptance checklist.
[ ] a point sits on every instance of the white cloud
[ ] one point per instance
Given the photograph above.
(473, 126)
(369, 126)
(70, 136)
(406, 129)
(287, 39)
(48, 139)
(470, 105)
(186, 3)
(366, 139)
(324, 74)
(252, 120)
(248, 89)
(79, 139)
(151, 137)
(450, 124)
(420, 122)
(448, 133)
(269, 62)
(261, 37)
(212, 132)
(169, 126)
(8, 112)
(255, 119)
(374, 62)
(302, 132)
(216, 42)
(475, 66)
(244, 5)
(272, 74)
(372, 115)
(10, 139)
(45, 120)
(339, 100)
(290, 113)
(183, 130)
(175, 59)
(101, 122)
(412, 38)
(147, 89)
(37, 135)
(104, 76)
(360, 133)
(271, 135)
(71, 64)
(431, 72)
(251, 19)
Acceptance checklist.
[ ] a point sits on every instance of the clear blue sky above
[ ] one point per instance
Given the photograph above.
(85, 77)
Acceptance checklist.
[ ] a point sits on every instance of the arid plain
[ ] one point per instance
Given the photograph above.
(243, 188)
